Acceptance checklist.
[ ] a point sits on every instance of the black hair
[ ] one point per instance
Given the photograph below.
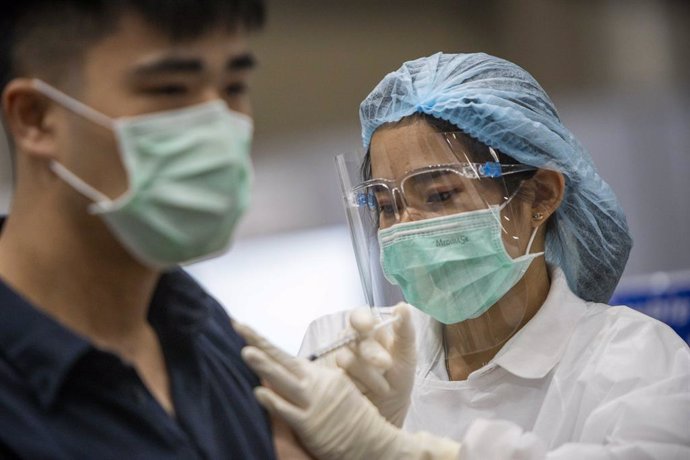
(54, 34)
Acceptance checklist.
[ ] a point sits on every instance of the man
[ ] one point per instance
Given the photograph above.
(130, 130)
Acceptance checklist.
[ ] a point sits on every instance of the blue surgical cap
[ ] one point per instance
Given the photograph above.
(501, 105)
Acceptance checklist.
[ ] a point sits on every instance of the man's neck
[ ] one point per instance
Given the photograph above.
(76, 272)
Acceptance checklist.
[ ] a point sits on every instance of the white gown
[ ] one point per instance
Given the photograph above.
(579, 381)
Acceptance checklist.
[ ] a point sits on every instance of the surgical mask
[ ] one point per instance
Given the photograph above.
(452, 267)
(189, 173)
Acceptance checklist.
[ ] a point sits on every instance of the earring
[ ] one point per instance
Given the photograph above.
(537, 216)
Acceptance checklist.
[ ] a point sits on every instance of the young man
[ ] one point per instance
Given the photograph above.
(130, 130)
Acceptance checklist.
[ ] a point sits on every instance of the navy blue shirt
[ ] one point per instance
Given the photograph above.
(63, 398)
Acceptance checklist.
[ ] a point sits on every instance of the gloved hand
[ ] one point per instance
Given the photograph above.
(328, 413)
(383, 364)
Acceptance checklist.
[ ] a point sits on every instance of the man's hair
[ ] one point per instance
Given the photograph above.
(51, 36)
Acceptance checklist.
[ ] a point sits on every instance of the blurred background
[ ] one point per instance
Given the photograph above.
(617, 70)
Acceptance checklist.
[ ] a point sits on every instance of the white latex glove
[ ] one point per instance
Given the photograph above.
(383, 364)
(328, 413)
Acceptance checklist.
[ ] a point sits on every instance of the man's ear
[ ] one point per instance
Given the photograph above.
(549, 187)
(30, 119)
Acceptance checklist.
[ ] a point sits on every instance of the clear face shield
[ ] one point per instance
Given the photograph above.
(443, 229)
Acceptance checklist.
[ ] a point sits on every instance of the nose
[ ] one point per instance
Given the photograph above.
(410, 214)
(211, 93)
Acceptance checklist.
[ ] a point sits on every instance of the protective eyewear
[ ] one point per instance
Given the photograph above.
(431, 191)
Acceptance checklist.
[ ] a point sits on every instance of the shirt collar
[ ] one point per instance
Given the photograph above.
(43, 351)
(536, 348)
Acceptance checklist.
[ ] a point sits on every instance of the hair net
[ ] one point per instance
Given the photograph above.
(501, 105)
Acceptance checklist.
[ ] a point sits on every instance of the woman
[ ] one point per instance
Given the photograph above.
(479, 208)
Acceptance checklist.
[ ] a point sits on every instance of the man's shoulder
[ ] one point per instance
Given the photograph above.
(193, 304)
(218, 326)
(217, 339)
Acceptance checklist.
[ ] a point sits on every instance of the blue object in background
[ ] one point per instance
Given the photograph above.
(664, 296)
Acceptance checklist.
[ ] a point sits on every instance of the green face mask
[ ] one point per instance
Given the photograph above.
(189, 176)
(453, 267)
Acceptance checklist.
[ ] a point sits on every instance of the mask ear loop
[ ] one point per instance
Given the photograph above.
(534, 232)
(79, 185)
(73, 105)
(83, 110)
(531, 240)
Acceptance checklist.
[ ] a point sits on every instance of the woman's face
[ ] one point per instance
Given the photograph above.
(411, 144)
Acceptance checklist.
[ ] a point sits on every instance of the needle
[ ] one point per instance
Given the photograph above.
(352, 337)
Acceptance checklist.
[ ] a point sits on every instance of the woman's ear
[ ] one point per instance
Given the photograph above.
(29, 118)
(549, 187)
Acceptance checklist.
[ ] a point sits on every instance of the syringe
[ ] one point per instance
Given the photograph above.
(349, 338)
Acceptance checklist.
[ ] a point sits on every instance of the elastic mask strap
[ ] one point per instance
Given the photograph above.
(78, 184)
(531, 240)
(72, 104)
(534, 232)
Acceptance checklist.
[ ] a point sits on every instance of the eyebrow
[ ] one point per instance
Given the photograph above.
(170, 64)
(177, 64)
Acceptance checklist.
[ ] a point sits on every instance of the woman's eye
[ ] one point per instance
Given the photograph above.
(386, 209)
(441, 196)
